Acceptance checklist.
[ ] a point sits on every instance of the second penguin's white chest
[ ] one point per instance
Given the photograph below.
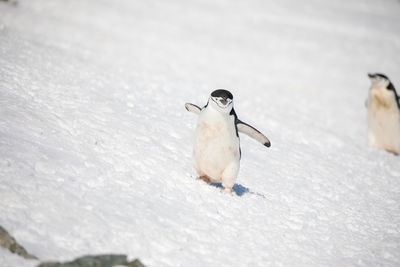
(216, 143)
(383, 121)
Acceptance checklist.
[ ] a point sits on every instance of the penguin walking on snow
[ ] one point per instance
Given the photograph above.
(383, 106)
(216, 150)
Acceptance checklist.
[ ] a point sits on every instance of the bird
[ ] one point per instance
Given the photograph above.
(383, 106)
(216, 149)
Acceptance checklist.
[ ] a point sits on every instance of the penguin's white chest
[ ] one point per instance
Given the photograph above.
(383, 122)
(216, 145)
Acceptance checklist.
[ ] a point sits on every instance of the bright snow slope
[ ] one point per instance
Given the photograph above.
(95, 143)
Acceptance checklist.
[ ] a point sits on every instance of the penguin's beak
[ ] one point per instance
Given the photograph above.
(224, 101)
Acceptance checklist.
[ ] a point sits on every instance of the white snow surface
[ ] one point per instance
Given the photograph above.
(95, 142)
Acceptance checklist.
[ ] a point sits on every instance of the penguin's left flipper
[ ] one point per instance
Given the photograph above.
(192, 108)
(253, 133)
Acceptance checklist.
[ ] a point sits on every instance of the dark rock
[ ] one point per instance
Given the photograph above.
(135, 263)
(96, 261)
(7, 241)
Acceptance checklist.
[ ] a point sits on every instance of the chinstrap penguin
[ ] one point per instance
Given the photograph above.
(383, 106)
(216, 150)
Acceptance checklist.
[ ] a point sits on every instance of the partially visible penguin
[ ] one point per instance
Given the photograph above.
(383, 106)
(216, 150)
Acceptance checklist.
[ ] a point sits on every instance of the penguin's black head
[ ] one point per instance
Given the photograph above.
(222, 93)
(375, 75)
(379, 80)
(223, 98)
(380, 83)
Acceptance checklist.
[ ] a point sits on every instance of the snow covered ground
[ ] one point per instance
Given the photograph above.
(95, 142)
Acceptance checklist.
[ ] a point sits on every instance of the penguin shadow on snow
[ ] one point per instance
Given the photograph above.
(239, 190)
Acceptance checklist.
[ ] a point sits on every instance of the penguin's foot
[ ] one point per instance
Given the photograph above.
(390, 150)
(228, 190)
(204, 179)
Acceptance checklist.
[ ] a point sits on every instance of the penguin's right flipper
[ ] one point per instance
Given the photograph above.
(252, 132)
(192, 108)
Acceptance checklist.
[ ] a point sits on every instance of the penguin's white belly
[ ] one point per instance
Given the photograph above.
(216, 146)
(383, 125)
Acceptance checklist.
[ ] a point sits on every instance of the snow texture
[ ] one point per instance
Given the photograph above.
(95, 142)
